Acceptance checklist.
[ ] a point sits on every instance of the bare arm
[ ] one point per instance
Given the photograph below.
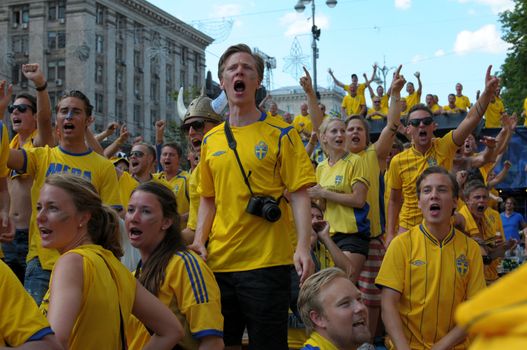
(157, 317)
(49, 342)
(211, 342)
(312, 102)
(451, 339)
(419, 83)
(7, 228)
(341, 261)
(383, 145)
(476, 112)
(109, 131)
(335, 80)
(206, 213)
(355, 199)
(160, 132)
(301, 206)
(116, 145)
(392, 320)
(44, 128)
(261, 106)
(500, 176)
(16, 159)
(92, 142)
(310, 146)
(394, 208)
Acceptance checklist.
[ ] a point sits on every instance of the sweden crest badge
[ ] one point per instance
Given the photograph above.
(260, 150)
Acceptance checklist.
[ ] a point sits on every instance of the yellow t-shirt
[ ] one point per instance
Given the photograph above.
(190, 290)
(353, 105)
(435, 108)
(372, 172)
(20, 320)
(493, 229)
(318, 342)
(493, 113)
(384, 102)
(377, 117)
(193, 183)
(412, 100)
(496, 318)
(108, 290)
(127, 184)
(340, 177)
(275, 116)
(4, 154)
(179, 185)
(433, 278)
(44, 161)
(406, 167)
(275, 157)
(361, 88)
(303, 124)
(462, 102)
(525, 111)
(447, 108)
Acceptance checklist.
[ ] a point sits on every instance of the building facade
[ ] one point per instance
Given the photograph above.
(290, 98)
(127, 56)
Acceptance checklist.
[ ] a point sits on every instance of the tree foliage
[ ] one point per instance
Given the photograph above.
(514, 69)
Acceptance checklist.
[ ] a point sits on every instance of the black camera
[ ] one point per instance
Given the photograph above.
(264, 206)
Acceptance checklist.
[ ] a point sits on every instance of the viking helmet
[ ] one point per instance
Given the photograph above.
(199, 107)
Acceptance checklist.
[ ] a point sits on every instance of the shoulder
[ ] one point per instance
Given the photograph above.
(214, 131)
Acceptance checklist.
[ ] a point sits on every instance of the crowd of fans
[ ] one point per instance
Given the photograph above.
(282, 233)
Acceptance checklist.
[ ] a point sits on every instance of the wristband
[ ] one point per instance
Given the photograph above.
(43, 87)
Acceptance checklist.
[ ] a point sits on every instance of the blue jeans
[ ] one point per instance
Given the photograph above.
(15, 253)
(37, 280)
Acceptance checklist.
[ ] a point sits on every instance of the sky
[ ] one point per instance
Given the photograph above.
(447, 41)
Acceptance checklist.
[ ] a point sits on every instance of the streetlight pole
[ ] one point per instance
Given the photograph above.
(315, 31)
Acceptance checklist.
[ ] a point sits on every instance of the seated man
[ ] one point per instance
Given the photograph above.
(428, 271)
(332, 310)
(451, 108)
(377, 112)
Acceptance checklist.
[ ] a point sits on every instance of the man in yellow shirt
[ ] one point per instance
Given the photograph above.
(414, 96)
(332, 309)
(359, 88)
(462, 101)
(353, 103)
(247, 163)
(377, 112)
(494, 111)
(451, 107)
(431, 103)
(428, 271)
(302, 123)
(426, 151)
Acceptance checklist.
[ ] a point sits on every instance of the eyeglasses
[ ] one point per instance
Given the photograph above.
(22, 108)
(197, 125)
(137, 154)
(416, 122)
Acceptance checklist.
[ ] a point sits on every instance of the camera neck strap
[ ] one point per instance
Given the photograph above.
(232, 145)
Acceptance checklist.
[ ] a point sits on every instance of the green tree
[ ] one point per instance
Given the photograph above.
(514, 69)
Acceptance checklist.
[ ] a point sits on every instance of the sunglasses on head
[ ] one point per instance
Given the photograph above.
(137, 154)
(22, 108)
(197, 125)
(416, 122)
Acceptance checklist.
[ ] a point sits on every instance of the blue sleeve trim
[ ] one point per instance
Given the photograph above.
(309, 347)
(41, 334)
(195, 276)
(117, 207)
(207, 332)
(23, 170)
(159, 147)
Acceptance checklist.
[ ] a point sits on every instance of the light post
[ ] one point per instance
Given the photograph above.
(384, 71)
(300, 7)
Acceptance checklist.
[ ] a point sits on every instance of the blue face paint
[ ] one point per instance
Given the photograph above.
(69, 116)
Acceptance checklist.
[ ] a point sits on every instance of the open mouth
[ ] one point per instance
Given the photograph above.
(196, 142)
(435, 208)
(480, 208)
(44, 231)
(17, 121)
(69, 126)
(134, 232)
(239, 86)
(360, 323)
(423, 133)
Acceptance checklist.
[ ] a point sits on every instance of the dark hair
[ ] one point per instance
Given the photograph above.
(103, 226)
(472, 186)
(365, 125)
(316, 206)
(77, 94)
(398, 144)
(420, 107)
(240, 48)
(32, 100)
(152, 274)
(437, 170)
(175, 146)
(149, 148)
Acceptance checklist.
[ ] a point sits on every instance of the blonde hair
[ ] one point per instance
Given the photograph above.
(323, 128)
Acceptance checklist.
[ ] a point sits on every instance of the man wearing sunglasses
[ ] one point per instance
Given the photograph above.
(31, 121)
(426, 151)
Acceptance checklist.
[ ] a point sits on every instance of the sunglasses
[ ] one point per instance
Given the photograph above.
(22, 108)
(416, 122)
(197, 125)
(137, 154)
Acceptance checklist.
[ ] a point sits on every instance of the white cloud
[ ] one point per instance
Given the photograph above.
(496, 6)
(298, 23)
(418, 58)
(226, 10)
(439, 53)
(486, 39)
(403, 4)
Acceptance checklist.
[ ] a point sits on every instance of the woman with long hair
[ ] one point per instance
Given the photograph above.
(341, 190)
(91, 294)
(177, 276)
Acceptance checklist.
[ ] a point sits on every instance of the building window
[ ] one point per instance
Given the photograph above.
(99, 103)
(56, 70)
(137, 87)
(57, 11)
(99, 14)
(99, 70)
(137, 114)
(184, 55)
(138, 34)
(20, 15)
(20, 44)
(183, 78)
(119, 110)
(119, 53)
(197, 58)
(56, 40)
(120, 26)
(99, 43)
(119, 81)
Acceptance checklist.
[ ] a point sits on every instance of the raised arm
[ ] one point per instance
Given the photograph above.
(383, 145)
(475, 113)
(44, 129)
(419, 83)
(501, 175)
(312, 102)
(91, 140)
(116, 145)
(335, 80)
(109, 131)
(339, 258)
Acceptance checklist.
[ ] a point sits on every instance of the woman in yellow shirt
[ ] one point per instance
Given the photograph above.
(91, 293)
(177, 276)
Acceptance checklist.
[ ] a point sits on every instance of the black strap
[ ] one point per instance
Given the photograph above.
(232, 145)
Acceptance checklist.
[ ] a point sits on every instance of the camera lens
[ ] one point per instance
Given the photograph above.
(271, 212)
